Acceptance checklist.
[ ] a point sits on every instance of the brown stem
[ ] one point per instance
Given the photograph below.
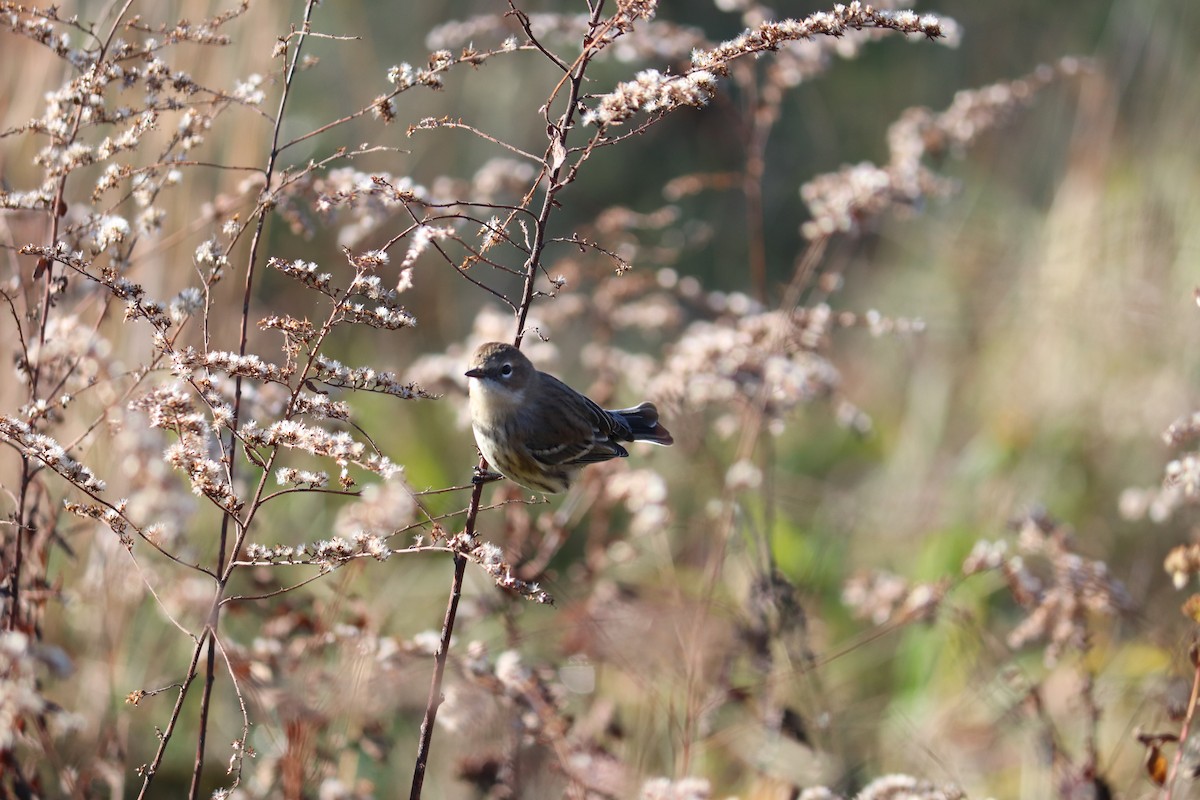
(14, 619)
(554, 164)
(1194, 654)
(443, 651)
(205, 704)
(57, 209)
(553, 170)
(153, 766)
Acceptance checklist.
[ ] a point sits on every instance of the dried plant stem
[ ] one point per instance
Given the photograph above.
(14, 617)
(439, 670)
(205, 702)
(443, 651)
(150, 769)
(23, 515)
(1169, 786)
(763, 105)
(554, 164)
(752, 425)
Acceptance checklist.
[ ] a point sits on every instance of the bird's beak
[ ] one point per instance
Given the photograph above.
(476, 372)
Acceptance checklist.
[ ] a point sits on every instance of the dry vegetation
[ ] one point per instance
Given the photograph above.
(915, 553)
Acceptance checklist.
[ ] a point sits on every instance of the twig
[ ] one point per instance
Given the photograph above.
(443, 651)
(242, 746)
(148, 771)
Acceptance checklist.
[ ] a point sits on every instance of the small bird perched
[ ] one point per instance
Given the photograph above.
(537, 431)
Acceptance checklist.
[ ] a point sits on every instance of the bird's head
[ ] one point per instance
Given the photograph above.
(497, 366)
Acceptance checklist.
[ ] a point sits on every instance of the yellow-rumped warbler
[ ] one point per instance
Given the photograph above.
(537, 431)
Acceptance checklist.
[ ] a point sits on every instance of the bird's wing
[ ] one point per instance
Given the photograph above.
(582, 452)
(581, 433)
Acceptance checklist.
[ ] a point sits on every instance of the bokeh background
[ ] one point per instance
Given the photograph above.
(1059, 340)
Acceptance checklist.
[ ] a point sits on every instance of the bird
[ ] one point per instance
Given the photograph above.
(538, 431)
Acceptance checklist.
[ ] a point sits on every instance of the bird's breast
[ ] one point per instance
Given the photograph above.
(492, 406)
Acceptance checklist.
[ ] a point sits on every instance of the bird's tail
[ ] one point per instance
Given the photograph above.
(643, 424)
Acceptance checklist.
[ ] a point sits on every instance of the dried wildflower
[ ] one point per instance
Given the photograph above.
(644, 495)
(683, 789)
(819, 793)
(652, 92)
(742, 476)
(334, 373)
(388, 317)
(766, 358)
(1184, 430)
(22, 705)
(1181, 477)
(209, 254)
(771, 35)
(72, 355)
(891, 787)
(250, 90)
(306, 272)
(188, 302)
(171, 407)
(185, 363)
(421, 239)
(320, 406)
(491, 559)
(985, 555)
(113, 517)
(49, 452)
(906, 787)
(301, 478)
(1182, 563)
(381, 509)
(884, 597)
(841, 202)
(1058, 607)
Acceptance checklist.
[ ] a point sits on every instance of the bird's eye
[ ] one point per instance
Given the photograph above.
(506, 370)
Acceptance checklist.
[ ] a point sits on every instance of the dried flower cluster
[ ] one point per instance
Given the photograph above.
(770, 36)
(1180, 488)
(884, 597)
(1059, 605)
(653, 92)
(25, 712)
(1065, 597)
(49, 452)
(1181, 479)
(846, 200)
(326, 554)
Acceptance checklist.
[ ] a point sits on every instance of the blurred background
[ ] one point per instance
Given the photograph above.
(1059, 336)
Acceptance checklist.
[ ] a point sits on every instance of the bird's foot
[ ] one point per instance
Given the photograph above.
(482, 476)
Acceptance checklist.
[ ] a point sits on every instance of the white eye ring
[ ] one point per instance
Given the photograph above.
(506, 370)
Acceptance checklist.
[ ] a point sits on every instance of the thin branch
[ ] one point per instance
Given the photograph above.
(325, 570)
(148, 771)
(474, 59)
(487, 137)
(313, 489)
(439, 660)
(241, 745)
(523, 18)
